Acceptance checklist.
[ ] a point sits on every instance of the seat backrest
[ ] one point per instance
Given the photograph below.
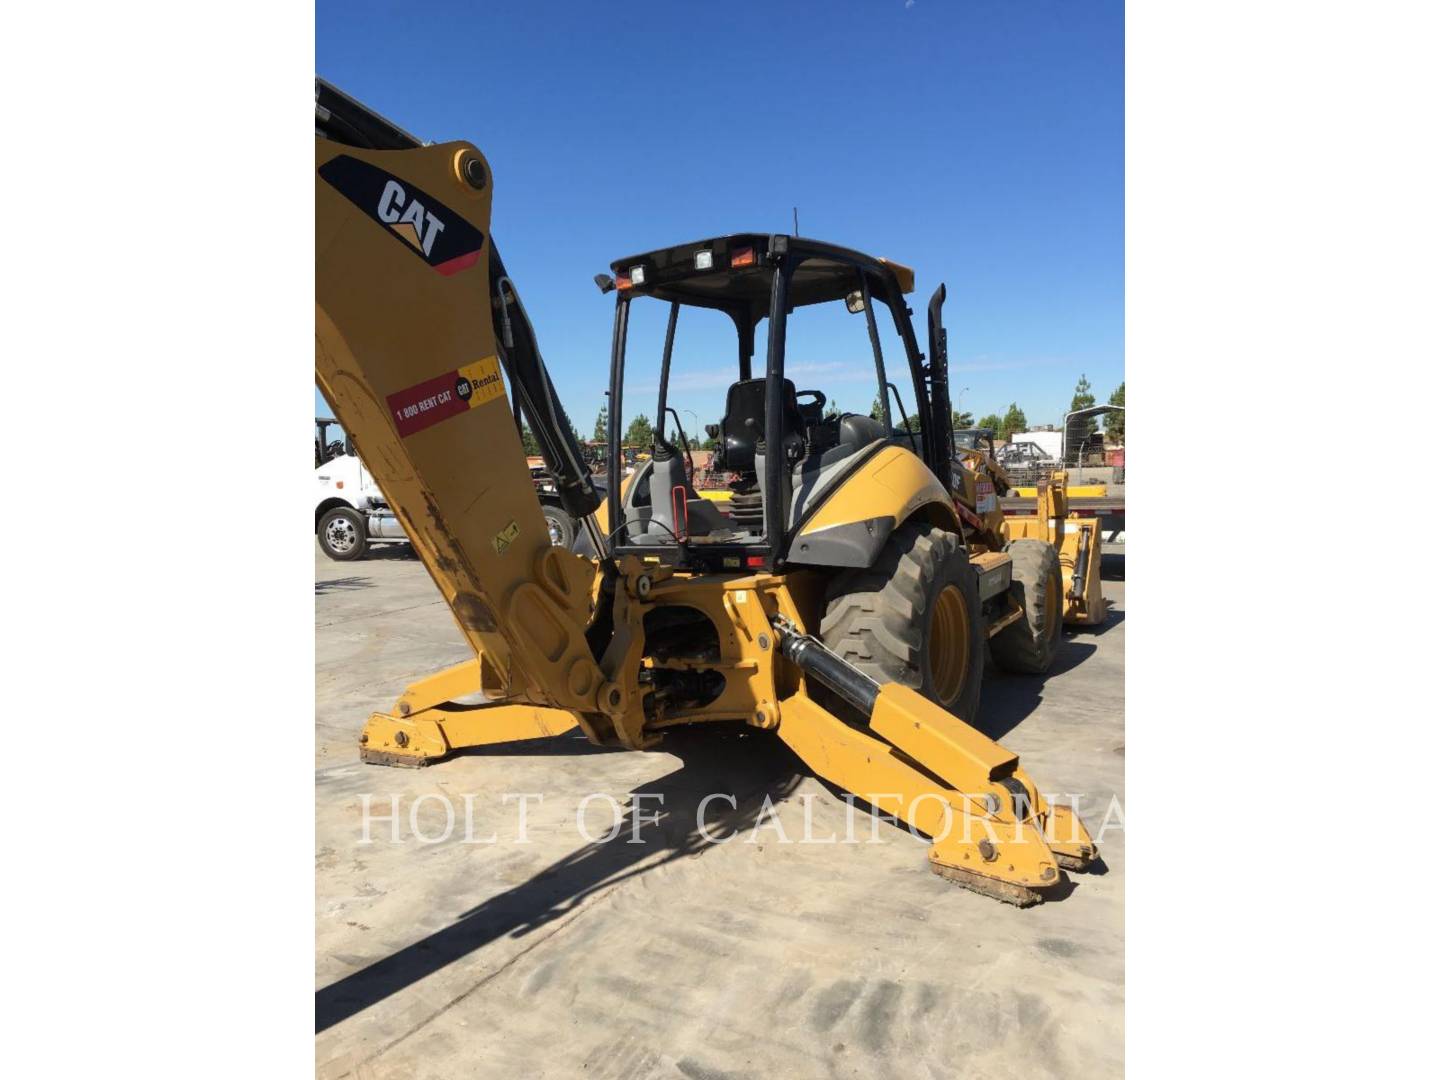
(667, 472)
(743, 426)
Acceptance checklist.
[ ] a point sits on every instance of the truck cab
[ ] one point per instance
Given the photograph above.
(350, 509)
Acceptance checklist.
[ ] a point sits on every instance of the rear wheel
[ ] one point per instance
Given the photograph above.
(342, 534)
(1027, 646)
(913, 618)
(561, 526)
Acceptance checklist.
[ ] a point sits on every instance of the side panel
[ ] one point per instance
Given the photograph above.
(855, 520)
(405, 354)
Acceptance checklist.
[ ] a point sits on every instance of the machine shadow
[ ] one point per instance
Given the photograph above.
(570, 744)
(343, 583)
(750, 766)
(1113, 618)
(391, 553)
(1009, 699)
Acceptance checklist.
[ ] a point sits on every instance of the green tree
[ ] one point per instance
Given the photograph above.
(602, 424)
(897, 421)
(832, 411)
(529, 442)
(1083, 399)
(1115, 422)
(991, 421)
(1014, 421)
(960, 420)
(640, 433)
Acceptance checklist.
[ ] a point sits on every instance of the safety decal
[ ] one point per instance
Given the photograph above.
(434, 232)
(984, 496)
(505, 537)
(455, 392)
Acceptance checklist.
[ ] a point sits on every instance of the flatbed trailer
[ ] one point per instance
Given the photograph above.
(1109, 508)
(1085, 505)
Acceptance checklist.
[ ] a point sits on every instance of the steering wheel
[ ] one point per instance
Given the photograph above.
(820, 398)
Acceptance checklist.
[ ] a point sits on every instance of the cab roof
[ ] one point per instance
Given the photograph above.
(738, 272)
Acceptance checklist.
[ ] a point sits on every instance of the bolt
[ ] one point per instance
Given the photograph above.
(987, 850)
(759, 716)
(1048, 874)
(404, 708)
(474, 173)
(764, 642)
(614, 698)
(364, 738)
(401, 739)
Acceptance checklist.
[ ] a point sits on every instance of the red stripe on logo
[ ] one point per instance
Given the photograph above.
(426, 403)
(460, 262)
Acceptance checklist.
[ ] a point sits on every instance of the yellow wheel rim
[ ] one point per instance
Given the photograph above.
(949, 645)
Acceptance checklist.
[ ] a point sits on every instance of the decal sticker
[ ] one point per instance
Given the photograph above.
(968, 516)
(505, 537)
(455, 392)
(434, 232)
(984, 496)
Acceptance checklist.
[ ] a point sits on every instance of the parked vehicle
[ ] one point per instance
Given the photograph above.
(350, 509)
(351, 513)
(1026, 462)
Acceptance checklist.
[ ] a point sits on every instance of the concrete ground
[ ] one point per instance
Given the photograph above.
(671, 957)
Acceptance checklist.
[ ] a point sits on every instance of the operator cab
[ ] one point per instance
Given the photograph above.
(981, 440)
(755, 280)
(327, 445)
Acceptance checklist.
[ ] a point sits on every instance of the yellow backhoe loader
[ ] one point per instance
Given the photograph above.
(1075, 540)
(844, 602)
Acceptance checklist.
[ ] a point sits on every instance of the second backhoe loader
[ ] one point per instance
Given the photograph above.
(672, 612)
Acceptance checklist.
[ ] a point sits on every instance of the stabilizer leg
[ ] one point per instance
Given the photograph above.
(427, 723)
(1080, 554)
(992, 830)
(979, 841)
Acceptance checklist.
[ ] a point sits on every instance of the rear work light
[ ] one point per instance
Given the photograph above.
(704, 260)
(637, 275)
(743, 257)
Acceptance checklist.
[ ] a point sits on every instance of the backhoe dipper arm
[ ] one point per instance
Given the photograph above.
(409, 295)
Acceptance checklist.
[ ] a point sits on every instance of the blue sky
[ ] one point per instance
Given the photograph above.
(979, 141)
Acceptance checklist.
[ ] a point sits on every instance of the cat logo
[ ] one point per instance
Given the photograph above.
(430, 230)
(408, 217)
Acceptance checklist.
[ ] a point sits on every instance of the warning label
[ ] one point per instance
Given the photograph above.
(505, 537)
(984, 496)
(431, 401)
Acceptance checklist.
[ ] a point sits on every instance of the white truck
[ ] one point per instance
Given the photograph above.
(351, 513)
(1047, 439)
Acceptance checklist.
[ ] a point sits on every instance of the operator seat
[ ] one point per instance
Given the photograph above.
(743, 426)
(667, 472)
